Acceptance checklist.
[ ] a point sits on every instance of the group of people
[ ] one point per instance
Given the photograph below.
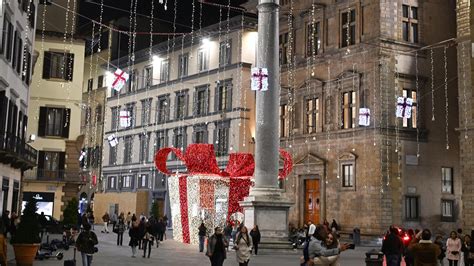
(421, 250)
(244, 242)
(144, 232)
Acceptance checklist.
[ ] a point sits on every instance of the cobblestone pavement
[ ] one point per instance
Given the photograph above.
(174, 253)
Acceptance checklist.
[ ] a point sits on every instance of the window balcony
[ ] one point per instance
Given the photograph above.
(16, 152)
(69, 176)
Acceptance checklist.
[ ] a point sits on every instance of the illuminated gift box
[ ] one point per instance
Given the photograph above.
(206, 193)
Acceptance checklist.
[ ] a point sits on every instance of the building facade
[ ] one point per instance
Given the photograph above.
(338, 57)
(192, 89)
(465, 27)
(55, 105)
(17, 19)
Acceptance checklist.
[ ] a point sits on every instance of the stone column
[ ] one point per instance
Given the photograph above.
(265, 205)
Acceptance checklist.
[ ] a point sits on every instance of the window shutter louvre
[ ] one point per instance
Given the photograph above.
(42, 122)
(66, 121)
(46, 65)
(69, 67)
(3, 111)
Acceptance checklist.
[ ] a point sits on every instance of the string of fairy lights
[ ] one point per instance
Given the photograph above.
(380, 114)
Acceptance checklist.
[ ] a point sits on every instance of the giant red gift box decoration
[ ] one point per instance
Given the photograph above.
(207, 193)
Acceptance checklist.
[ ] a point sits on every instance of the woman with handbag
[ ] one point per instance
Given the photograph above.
(85, 243)
(453, 248)
(243, 246)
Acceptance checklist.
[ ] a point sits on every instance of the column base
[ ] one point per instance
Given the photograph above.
(266, 208)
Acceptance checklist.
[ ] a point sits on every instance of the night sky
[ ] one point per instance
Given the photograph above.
(114, 9)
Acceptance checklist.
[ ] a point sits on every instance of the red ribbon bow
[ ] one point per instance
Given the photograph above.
(201, 159)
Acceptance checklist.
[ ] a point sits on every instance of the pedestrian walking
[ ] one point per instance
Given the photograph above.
(216, 248)
(13, 223)
(106, 220)
(243, 246)
(128, 220)
(424, 251)
(43, 222)
(255, 234)
(468, 250)
(141, 232)
(119, 229)
(165, 223)
(91, 219)
(442, 255)
(161, 229)
(133, 233)
(85, 243)
(228, 232)
(113, 218)
(392, 247)
(453, 248)
(148, 238)
(202, 232)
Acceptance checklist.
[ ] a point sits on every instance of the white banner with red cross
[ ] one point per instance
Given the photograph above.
(404, 107)
(364, 117)
(120, 79)
(259, 79)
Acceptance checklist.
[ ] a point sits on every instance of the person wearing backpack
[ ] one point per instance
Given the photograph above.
(85, 243)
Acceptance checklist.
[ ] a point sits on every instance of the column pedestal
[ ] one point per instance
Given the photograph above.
(266, 208)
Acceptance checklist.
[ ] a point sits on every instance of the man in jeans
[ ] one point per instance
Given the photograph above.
(202, 236)
(392, 247)
(106, 220)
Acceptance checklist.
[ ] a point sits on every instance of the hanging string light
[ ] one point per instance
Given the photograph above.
(464, 86)
(446, 95)
(418, 106)
(432, 86)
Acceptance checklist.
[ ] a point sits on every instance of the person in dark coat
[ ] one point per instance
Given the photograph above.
(134, 234)
(468, 250)
(141, 232)
(392, 247)
(85, 243)
(202, 236)
(216, 248)
(148, 239)
(119, 230)
(6, 221)
(160, 230)
(439, 242)
(255, 234)
(424, 251)
(334, 226)
(165, 224)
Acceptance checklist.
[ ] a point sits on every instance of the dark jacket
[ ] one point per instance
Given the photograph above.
(228, 231)
(211, 245)
(86, 242)
(425, 252)
(134, 235)
(255, 234)
(202, 230)
(392, 245)
(466, 249)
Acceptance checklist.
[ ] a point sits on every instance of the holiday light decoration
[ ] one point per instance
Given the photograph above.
(125, 120)
(259, 79)
(364, 117)
(121, 78)
(404, 107)
(206, 193)
(113, 141)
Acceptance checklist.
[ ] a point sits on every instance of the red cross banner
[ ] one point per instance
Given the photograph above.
(125, 119)
(404, 107)
(364, 117)
(259, 79)
(120, 79)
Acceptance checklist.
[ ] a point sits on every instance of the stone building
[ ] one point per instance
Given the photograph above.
(191, 89)
(17, 19)
(55, 105)
(339, 56)
(465, 27)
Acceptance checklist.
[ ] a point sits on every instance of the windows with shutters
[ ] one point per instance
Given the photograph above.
(223, 98)
(225, 49)
(181, 104)
(112, 155)
(349, 109)
(143, 181)
(54, 122)
(312, 112)
(100, 81)
(284, 121)
(447, 210)
(164, 71)
(283, 49)
(412, 121)
(144, 145)
(162, 109)
(128, 149)
(203, 59)
(313, 38)
(410, 23)
(221, 138)
(114, 117)
(348, 28)
(51, 165)
(412, 207)
(201, 100)
(146, 111)
(90, 84)
(183, 65)
(200, 134)
(112, 182)
(161, 140)
(58, 65)
(347, 171)
(127, 182)
(7, 38)
(447, 182)
(132, 84)
(180, 138)
(147, 77)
